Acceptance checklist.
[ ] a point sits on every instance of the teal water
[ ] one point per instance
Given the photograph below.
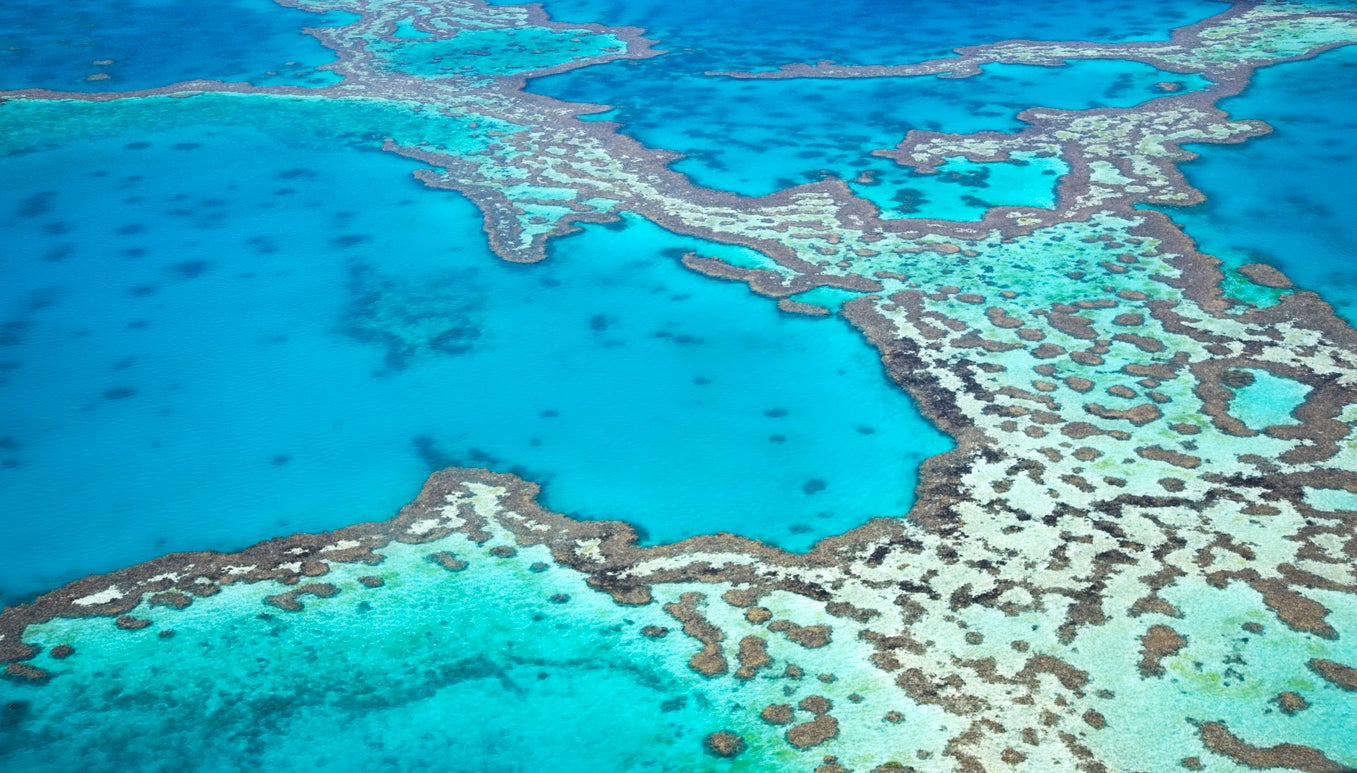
(758, 136)
(212, 337)
(1268, 400)
(1331, 499)
(406, 30)
(492, 52)
(119, 45)
(753, 36)
(476, 671)
(1288, 199)
(961, 189)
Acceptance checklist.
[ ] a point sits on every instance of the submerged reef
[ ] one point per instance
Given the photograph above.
(1135, 558)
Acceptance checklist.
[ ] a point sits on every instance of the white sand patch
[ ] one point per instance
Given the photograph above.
(109, 594)
(420, 528)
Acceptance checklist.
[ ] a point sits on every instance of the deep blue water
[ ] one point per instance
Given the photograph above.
(758, 136)
(1288, 198)
(141, 44)
(212, 337)
(732, 35)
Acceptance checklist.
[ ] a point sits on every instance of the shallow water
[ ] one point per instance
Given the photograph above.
(961, 189)
(492, 52)
(213, 337)
(758, 136)
(475, 673)
(1267, 400)
(1289, 198)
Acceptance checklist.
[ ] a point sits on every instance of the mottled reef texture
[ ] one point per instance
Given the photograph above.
(1111, 571)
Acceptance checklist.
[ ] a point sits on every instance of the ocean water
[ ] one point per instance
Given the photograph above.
(1267, 400)
(961, 189)
(491, 52)
(213, 336)
(121, 45)
(477, 672)
(758, 136)
(754, 36)
(1288, 199)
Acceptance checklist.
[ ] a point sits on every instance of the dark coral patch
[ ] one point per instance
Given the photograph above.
(724, 744)
(191, 269)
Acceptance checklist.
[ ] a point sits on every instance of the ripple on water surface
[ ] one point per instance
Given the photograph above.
(213, 337)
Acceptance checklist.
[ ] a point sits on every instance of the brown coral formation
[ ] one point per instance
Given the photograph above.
(809, 636)
(24, 672)
(448, 561)
(1097, 468)
(129, 623)
(171, 599)
(752, 657)
(1265, 275)
(724, 744)
(290, 601)
(710, 661)
(777, 714)
(1291, 703)
(1218, 738)
(808, 735)
(1159, 642)
(1337, 674)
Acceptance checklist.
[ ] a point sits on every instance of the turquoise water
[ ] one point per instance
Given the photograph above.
(492, 52)
(141, 44)
(758, 136)
(406, 30)
(1268, 400)
(1290, 198)
(753, 36)
(213, 337)
(1331, 499)
(472, 672)
(961, 189)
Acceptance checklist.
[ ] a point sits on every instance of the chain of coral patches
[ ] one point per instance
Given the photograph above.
(1106, 510)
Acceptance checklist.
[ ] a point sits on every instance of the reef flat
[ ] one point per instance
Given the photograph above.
(1139, 555)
